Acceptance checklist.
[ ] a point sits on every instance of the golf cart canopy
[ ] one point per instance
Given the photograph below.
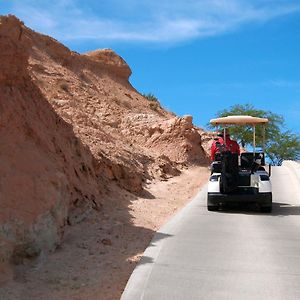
(243, 120)
(239, 120)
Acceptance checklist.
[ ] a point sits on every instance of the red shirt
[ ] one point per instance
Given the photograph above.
(231, 146)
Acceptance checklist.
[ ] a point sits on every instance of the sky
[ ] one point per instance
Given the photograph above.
(197, 57)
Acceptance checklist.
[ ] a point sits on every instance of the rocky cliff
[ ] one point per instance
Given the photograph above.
(70, 125)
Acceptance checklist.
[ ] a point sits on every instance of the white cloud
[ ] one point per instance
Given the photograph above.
(151, 21)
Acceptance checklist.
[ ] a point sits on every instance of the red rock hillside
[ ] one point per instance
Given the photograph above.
(70, 125)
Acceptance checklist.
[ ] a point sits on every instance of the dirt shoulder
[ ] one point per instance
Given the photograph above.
(98, 255)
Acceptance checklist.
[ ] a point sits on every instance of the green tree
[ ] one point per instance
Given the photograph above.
(280, 143)
(286, 145)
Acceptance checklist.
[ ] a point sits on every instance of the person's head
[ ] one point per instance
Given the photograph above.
(221, 132)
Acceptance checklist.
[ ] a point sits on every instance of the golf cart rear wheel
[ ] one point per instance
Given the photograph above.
(212, 207)
(266, 209)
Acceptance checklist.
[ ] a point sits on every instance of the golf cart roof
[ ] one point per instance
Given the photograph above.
(239, 120)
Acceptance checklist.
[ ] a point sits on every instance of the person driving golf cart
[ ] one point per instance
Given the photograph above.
(224, 141)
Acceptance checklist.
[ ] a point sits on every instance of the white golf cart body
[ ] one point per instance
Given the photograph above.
(250, 181)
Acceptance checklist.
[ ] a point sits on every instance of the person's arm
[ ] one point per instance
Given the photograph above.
(238, 150)
(213, 151)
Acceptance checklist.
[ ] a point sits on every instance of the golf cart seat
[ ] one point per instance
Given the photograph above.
(230, 172)
(216, 167)
(248, 159)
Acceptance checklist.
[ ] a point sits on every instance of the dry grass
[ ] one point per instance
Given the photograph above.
(154, 106)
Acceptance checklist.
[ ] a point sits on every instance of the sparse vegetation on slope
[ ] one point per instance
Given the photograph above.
(154, 102)
(150, 97)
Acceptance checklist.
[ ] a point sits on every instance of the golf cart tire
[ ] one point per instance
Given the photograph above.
(266, 209)
(212, 207)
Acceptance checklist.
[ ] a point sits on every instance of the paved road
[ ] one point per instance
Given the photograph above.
(234, 254)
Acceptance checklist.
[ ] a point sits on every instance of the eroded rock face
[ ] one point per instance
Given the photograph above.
(71, 127)
(41, 160)
(178, 139)
(207, 138)
(111, 61)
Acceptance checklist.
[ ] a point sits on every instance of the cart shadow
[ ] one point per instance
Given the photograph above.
(285, 209)
(278, 209)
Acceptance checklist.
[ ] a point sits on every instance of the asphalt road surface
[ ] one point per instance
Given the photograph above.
(238, 253)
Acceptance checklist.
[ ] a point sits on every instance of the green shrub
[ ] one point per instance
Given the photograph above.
(150, 97)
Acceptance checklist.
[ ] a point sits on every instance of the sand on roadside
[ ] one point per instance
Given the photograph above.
(99, 254)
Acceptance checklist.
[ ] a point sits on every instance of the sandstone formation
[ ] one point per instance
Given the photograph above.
(111, 61)
(70, 125)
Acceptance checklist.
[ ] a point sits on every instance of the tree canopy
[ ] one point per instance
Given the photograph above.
(280, 143)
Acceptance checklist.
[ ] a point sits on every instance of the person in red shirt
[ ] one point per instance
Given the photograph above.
(228, 144)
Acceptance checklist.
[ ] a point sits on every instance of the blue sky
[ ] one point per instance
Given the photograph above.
(197, 57)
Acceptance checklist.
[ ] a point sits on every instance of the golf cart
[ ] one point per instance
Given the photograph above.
(241, 178)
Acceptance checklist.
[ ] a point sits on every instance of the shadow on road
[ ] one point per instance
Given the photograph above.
(278, 209)
(158, 236)
(285, 209)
